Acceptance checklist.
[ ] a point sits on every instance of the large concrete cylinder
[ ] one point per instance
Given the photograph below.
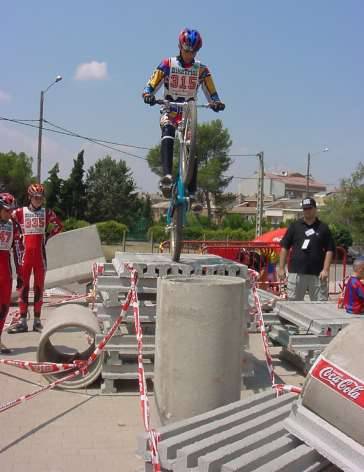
(198, 344)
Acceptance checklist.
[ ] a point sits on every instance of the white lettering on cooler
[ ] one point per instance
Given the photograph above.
(340, 381)
(347, 386)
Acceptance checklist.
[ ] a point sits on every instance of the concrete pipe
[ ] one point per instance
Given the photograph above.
(69, 334)
(198, 344)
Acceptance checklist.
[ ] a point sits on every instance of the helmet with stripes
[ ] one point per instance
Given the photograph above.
(190, 40)
(36, 190)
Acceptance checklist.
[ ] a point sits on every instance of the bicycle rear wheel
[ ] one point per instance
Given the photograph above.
(188, 146)
(176, 233)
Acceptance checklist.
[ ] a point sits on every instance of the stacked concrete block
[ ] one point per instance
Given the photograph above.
(247, 435)
(317, 318)
(268, 301)
(112, 288)
(306, 328)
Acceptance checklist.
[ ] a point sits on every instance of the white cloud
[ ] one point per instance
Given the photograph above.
(4, 97)
(91, 71)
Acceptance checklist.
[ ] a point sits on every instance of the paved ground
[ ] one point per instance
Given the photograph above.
(70, 431)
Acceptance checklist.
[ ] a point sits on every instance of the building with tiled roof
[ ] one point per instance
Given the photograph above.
(284, 184)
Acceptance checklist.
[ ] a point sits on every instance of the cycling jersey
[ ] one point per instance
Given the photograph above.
(354, 296)
(38, 225)
(10, 240)
(181, 80)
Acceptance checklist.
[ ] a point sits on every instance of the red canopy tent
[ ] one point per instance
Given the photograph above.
(273, 236)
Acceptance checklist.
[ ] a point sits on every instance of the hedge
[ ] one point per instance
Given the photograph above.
(111, 232)
(73, 223)
(200, 233)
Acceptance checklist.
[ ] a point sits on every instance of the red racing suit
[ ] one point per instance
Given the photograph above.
(10, 240)
(37, 225)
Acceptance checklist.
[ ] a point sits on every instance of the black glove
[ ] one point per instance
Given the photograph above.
(217, 106)
(149, 99)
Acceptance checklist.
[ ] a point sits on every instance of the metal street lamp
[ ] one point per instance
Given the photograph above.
(260, 195)
(39, 159)
(260, 190)
(325, 149)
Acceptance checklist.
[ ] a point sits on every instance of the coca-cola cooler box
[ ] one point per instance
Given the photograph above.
(330, 413)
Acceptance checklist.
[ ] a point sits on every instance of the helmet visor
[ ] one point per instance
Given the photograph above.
(188, 48)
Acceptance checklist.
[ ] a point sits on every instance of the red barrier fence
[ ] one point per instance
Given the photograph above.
(263, 258)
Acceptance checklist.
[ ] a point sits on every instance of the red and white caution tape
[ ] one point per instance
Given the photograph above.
(79, 367)
(69, 299)
(13, 318)
(42, 367)
(279, 388)
(143, 391)
(29, 396)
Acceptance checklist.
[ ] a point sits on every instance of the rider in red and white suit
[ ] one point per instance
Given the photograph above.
(38, 224)
(9, 241)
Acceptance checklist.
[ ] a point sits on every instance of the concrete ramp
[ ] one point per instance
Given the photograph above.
(70, 256)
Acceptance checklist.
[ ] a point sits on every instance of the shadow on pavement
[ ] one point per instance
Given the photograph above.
(43, 425)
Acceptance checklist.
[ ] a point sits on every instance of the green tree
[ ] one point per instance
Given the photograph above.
(213, 144)
(16, 174)
(74, 190)
(53, 186)
(147, 209)
(110, 190)
(347, 206)
(341, 235)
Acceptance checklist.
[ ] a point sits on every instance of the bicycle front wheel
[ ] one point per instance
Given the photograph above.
(176, 233)
(188, 146)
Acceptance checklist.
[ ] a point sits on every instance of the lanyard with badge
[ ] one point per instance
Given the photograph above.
(306, 242)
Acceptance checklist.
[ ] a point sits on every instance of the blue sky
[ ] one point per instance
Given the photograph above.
(290, 72)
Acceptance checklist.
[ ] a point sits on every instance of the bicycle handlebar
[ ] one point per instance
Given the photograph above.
(161, 101)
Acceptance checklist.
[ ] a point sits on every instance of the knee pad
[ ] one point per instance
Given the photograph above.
(168, 131)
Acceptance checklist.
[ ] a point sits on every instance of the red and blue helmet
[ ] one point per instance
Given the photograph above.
(190, 40)
(7, 201)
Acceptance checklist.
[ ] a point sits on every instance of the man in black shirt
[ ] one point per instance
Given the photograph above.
(312, 252)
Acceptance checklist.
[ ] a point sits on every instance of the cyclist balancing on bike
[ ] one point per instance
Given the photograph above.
(181, 77)
(38, 224)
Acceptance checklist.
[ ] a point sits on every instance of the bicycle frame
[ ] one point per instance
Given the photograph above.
(179, 202)
(178, 197)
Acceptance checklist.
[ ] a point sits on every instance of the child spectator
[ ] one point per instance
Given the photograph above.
(354, 290)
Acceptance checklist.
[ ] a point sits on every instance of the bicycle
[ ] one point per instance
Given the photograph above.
(180, 202)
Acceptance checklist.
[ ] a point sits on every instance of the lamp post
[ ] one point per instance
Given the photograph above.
(260, 190)
(308, 169)
(260, 195)
(39, 158)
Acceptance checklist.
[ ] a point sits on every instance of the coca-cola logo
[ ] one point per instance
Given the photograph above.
(340, 381)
